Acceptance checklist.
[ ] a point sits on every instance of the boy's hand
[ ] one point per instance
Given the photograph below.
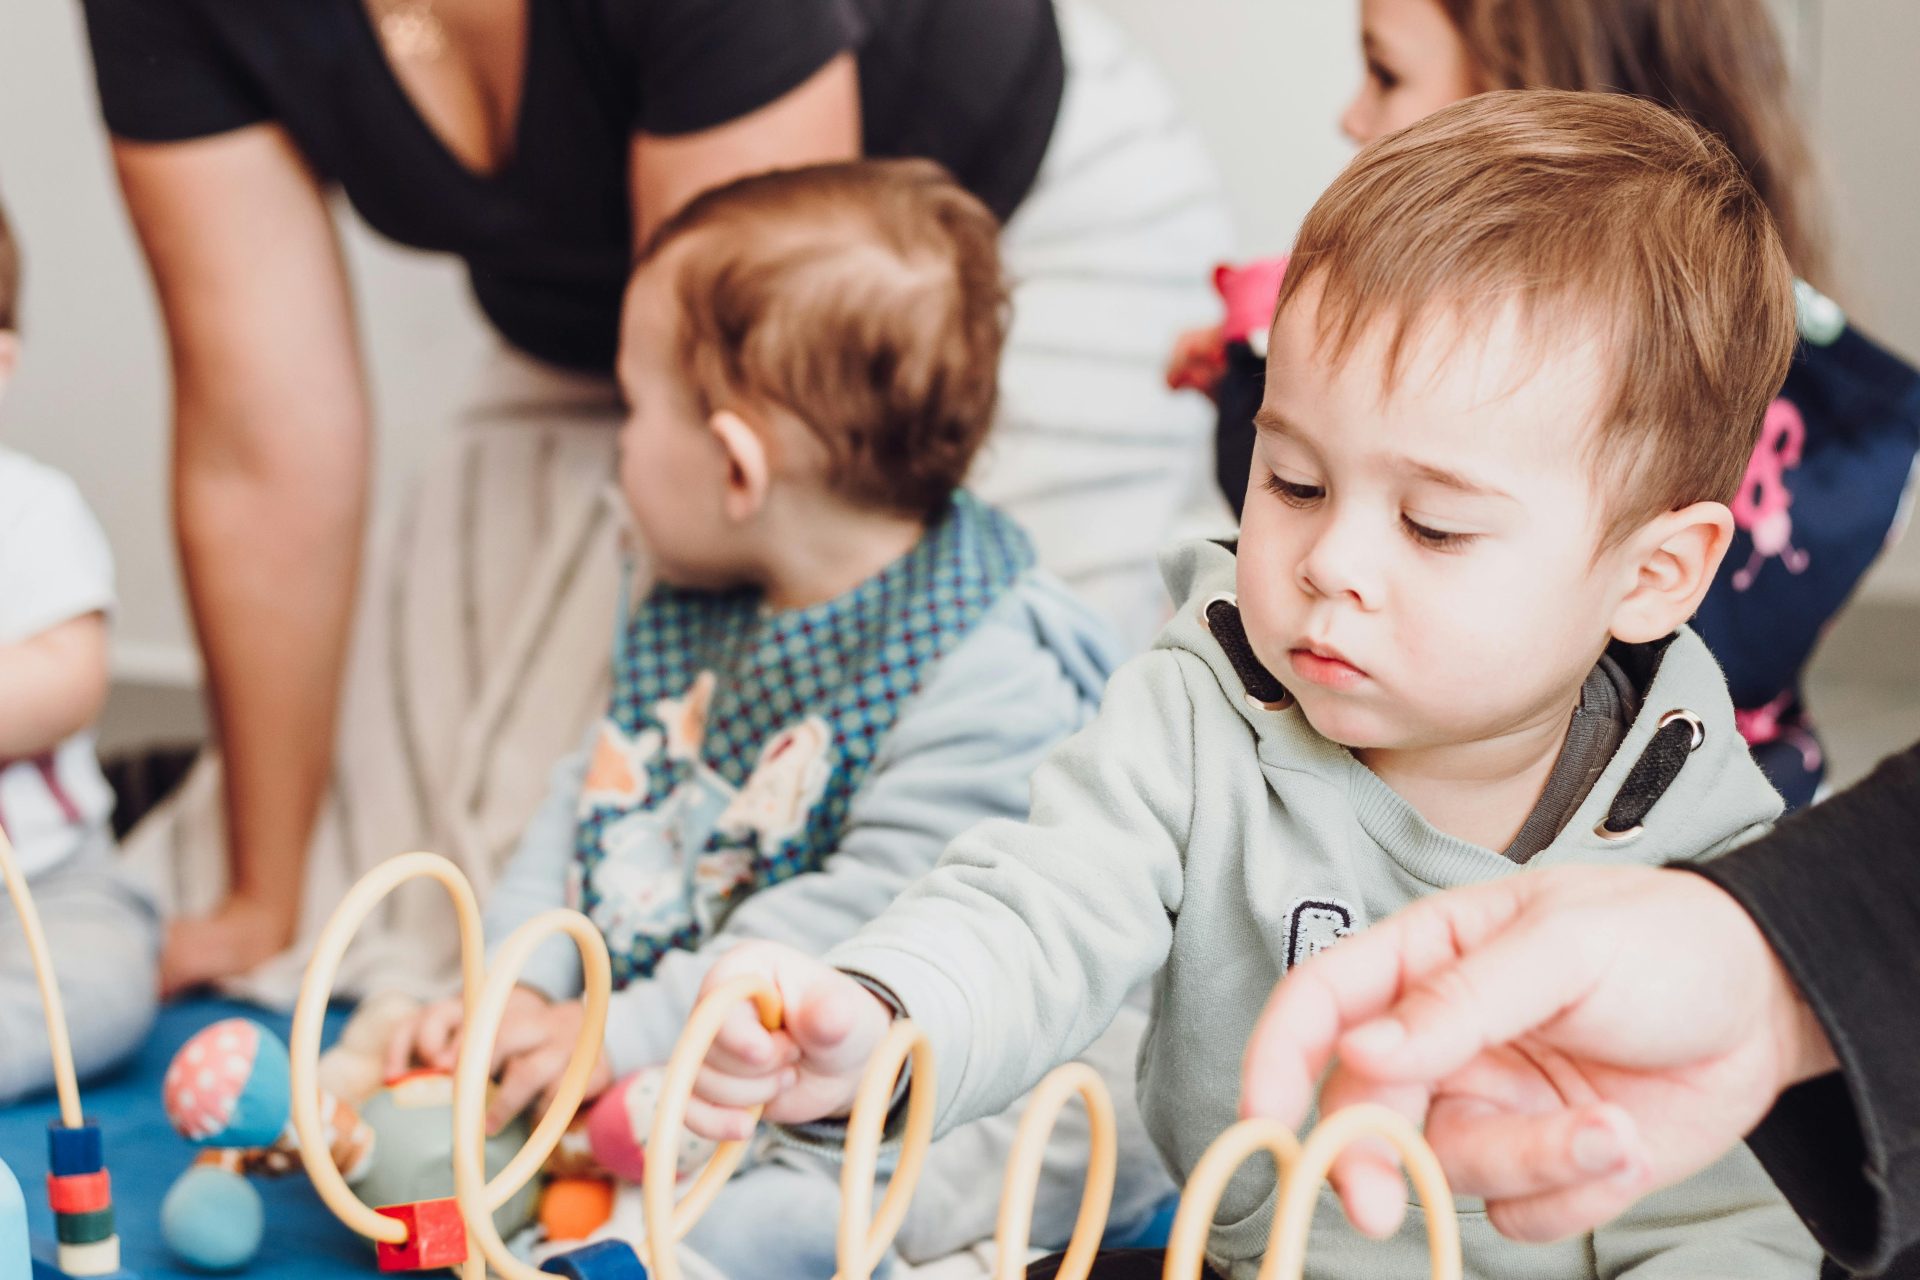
(809, 1069)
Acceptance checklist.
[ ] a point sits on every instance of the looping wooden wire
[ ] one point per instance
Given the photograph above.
(478, 1197)
(66, 1080)
(1300, 1169)
(861, 1241)
(309, 1013)
(1011, 1233)
(864, 1237)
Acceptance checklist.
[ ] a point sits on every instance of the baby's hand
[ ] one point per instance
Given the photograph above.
(431, 1037)
(809, 1069)
(1199, 360)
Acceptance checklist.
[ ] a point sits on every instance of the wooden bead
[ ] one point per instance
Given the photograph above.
(574, 1208)
(601, 1260)
(79, 1192)
(74, 1151)
(101, 1258)
(84, 1228)
(436, 1236)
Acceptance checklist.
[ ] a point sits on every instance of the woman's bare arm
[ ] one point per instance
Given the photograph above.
(270, 458)
(817, 121)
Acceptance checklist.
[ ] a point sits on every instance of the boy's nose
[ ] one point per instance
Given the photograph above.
(1333, 568)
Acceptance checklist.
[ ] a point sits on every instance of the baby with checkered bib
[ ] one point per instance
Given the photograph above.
(843, 661)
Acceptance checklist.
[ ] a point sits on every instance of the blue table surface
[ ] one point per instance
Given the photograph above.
(145, 1156)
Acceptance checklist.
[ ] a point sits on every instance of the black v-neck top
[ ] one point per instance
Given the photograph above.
(974, 84)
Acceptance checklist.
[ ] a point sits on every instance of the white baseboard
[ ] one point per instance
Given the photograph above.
(168, 666)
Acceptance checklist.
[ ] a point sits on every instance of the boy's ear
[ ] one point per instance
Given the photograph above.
(749, 469)
(1673, 558)
(9, 355)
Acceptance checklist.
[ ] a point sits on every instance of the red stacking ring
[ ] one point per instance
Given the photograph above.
(79, 1192)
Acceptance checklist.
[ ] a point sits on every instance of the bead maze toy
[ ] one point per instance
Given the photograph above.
(79, 1188)
(460, 1231)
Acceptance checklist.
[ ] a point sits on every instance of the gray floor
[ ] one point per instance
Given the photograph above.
(1865, 689)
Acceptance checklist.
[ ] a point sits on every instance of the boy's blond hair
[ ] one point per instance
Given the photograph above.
(864, 298)
(1599, 218)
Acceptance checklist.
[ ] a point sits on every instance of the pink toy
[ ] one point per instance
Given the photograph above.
(1250, 292)
(618, 1125)
(227, 1086)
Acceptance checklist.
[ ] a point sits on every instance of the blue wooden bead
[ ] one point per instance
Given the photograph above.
(73, 1151)
(601, 1260)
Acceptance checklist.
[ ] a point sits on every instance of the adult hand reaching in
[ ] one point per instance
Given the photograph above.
(1573, 1039)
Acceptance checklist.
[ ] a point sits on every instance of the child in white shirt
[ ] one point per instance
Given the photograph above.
(56, 588)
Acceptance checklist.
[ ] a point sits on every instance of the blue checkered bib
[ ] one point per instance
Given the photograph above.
(737, 736)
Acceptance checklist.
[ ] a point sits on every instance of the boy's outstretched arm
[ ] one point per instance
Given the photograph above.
(1018, 949)
(52, 686)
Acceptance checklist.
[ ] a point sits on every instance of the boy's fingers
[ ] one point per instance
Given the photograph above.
(838, 1025)
(1503, 1155)
(744, 1046)
(1371, 1187)
(718, 1124)
(722, 1089)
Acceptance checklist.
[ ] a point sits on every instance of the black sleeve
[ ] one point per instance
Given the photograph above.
(1836, 890)
(701, 63)
(162, 74)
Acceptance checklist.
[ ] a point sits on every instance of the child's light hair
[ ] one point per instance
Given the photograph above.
(864, 298)
(9, 276)
(1720, 63)
(1597, 218)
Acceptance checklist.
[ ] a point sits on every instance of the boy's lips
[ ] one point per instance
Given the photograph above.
(1325, 666)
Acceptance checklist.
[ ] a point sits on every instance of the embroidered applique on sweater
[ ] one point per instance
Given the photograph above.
(737, 737)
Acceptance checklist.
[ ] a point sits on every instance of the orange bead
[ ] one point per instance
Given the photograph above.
(574, 1208)
(79, 1192)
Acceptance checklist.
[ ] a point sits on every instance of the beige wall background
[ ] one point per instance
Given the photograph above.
(1263, 78)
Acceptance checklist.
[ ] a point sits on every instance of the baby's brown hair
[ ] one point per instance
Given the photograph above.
(1601, 219)
(864, 298)
(9, 276)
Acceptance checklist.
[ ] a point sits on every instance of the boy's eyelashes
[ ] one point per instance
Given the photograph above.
(1293, 493)
(1435, 539)
(1382, 76)
(1298, 495)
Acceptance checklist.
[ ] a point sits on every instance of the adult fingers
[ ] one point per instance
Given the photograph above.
(1573, 1210)
(1498, 1154)
(1353, 983)
(1512, 980)
(1367, 1175)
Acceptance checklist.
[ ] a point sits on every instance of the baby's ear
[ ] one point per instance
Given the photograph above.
(749, 469)
(1671, 561)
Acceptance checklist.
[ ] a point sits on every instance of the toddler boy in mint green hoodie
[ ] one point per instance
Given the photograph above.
(1521, 358)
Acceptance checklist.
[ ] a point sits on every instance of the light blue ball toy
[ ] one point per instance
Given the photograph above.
(16, 1250)
(212, 1219)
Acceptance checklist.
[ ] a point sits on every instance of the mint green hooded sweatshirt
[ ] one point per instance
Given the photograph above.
(1194, 837)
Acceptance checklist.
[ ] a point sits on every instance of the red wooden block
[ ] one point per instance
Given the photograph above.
(79, 1192)
(436, 1236)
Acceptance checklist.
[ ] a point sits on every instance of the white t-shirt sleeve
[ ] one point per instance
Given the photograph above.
(55, 564)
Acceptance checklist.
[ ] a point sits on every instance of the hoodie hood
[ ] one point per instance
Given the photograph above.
(1681, 787)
